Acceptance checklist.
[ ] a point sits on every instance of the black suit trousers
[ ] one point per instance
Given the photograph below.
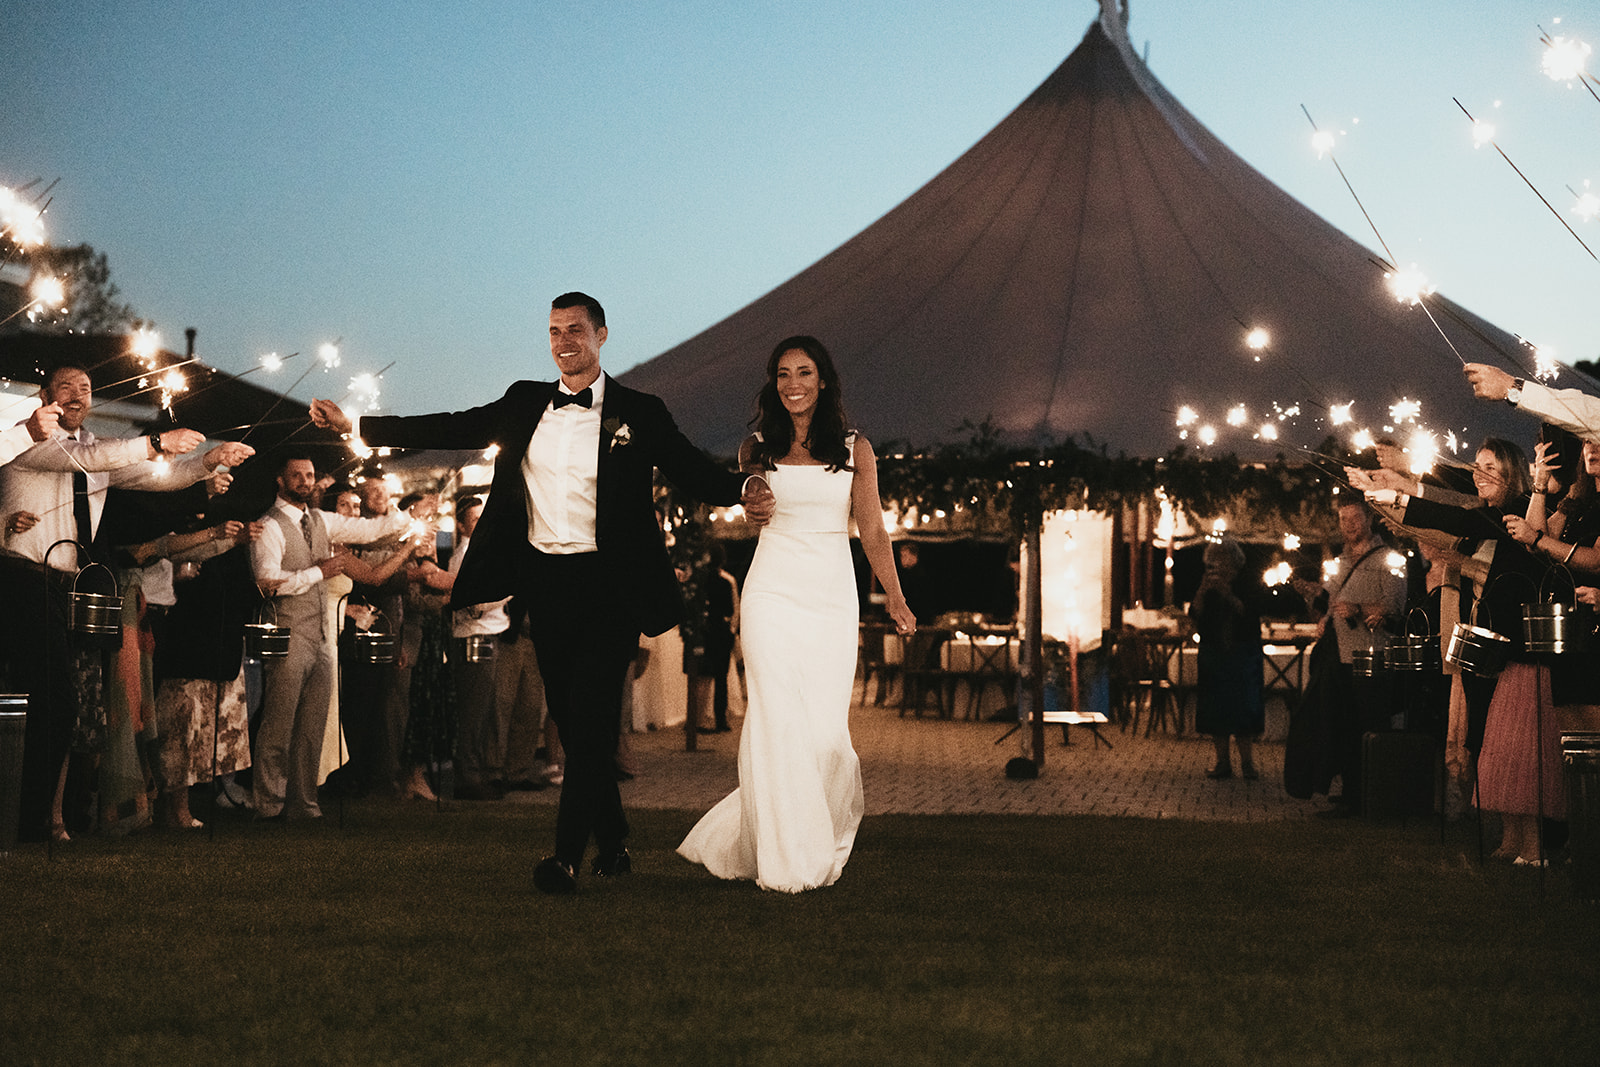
(38, 661)
(585, 643)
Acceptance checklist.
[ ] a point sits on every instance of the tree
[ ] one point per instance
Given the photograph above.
(92, 298)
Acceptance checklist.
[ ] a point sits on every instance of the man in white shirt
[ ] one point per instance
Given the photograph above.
(37, 427)
(55, 491)
(1570, 409)
(292, 559)
(571, 526)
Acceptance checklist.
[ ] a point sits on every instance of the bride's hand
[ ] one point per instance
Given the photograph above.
(904, 622)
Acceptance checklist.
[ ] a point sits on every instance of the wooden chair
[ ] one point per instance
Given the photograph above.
(873, 662)
(1146, 683)
(983, 664)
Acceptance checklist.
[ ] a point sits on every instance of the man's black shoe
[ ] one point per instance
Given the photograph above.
(610, 865)
(553, 876)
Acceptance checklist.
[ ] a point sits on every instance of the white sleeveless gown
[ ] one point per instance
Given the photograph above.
(792, 822)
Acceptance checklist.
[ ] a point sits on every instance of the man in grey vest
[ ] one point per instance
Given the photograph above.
(292, 559)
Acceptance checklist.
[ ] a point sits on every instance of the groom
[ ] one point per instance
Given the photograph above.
(570, 526)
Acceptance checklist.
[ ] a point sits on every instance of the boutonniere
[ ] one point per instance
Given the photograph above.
(621, 435)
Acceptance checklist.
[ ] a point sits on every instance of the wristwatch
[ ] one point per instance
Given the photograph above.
(1514, 394)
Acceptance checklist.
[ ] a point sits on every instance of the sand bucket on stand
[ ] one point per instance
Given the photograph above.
(1411, 651)
(480, 647)
(373, 646)
(1366, 662)
(266, 640)
(1477, 649)
(1546, 625)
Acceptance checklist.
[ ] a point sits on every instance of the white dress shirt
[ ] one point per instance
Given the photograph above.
(266, 552)
(39, 480)
(1570, 409)
(14, 442)
(561, 472)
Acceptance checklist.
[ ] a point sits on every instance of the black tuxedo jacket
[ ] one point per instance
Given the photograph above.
(637, 435)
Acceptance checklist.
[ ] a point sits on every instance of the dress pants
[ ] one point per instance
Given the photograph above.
(34, 647)
(519, 706)
(294, 718)
(479, 744)
(585, 640)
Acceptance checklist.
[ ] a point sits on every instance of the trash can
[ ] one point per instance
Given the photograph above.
(13, 726)
(1580, 755)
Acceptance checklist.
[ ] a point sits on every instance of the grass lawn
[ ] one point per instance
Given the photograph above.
(414, 936)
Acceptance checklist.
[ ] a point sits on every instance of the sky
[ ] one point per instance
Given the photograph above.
(416, 180)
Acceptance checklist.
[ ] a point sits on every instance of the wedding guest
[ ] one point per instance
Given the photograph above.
(1227, 616)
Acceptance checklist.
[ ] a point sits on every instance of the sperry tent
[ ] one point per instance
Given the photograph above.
(1093, 266)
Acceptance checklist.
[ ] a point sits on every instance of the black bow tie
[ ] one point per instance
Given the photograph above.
(584, 398)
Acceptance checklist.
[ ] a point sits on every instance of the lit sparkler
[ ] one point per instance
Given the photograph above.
(1257, 339)
(1237, 415)
(1208, 435)
(1408, 286)
(272, 362)
(1322, 141)
(1339, 414)
(1187, 416)
(1330, 569)
(364, 387)
(1405, 410)
(1564, 59)
(1291, 542)
(1587, 207)
(1482, 133)
(20, 221)
(1528, 183)
(1423, 448)
(1278, 574)
(144, 344)
(1268, 432)
(1362, 440)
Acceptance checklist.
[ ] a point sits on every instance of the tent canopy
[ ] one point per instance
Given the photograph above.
(1092, 267)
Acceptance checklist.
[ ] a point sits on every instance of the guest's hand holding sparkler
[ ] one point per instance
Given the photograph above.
(327, 415)
(175, 442)
(42, 423)
(1488, 383)
(228, 454)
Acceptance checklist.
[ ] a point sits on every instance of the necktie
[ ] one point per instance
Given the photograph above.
(584, 398)
(80, 510)
(305, 528)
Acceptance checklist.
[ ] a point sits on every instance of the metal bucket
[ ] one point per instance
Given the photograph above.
(376, 647)
(1476, 650)
(1365, 662)
(1413, 652)
(480, 648)
(1545, 626)
(94, 613)
(13, 727)
(266, 640)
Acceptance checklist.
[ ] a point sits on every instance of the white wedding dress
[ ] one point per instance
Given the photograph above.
(791, 823)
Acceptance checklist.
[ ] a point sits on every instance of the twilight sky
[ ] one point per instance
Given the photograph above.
(418, 179)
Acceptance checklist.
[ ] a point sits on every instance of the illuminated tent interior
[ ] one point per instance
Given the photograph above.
(1093, 266)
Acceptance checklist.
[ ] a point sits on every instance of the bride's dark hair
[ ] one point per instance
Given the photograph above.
(826, 438)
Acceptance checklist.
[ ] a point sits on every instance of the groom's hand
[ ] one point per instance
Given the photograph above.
(758, 500)
(328, 416)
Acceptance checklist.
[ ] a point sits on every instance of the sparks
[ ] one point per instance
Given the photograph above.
(1291, 542)
(1322, 141)
(1396, 564)
(1362, 440)
(19, 220)
(1257, 339)
(1564, 60)
(1545, 367)
(1587, 207)
(1208, 435)
(1277, 574)
(1330, 569)
(1268, 432)
(364, 387)
(145, 343)
(1339, 414)
(1237, 415)
(272, 362)
(1423, 448)
(47, 292)
(1482, 133)
(1187, 416)
(329, 355)
(1408, 286)
(1404, 410)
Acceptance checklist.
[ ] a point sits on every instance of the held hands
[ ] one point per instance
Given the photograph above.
(905, 623)
(758, 501)
(1488, 383)
(327, 415)
(42, 423)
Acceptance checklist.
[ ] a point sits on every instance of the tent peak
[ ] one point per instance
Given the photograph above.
(1114, 19)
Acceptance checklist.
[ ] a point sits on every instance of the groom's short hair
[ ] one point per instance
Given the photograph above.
(597, 314)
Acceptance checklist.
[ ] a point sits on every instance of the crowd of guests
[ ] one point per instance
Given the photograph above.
(191, 681)
(1495, 537)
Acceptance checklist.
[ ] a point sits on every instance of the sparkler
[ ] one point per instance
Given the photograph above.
(327, 358)
(44, 292)
(1587, 206)
(1564, 60)
(1529, 184)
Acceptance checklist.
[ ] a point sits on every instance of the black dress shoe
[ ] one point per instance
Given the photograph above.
(553, 876)
(613, 864)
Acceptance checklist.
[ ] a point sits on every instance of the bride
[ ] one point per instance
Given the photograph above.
(792, 821)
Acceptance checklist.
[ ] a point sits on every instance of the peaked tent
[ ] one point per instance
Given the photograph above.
(1090, 267)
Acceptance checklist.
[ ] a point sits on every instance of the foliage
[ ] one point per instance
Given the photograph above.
(995, 482)
(93, 304)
